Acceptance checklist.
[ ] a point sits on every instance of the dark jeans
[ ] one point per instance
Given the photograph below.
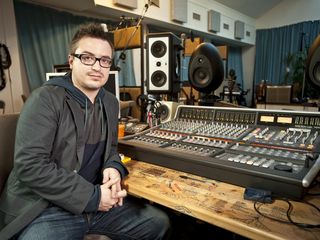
(134, 220)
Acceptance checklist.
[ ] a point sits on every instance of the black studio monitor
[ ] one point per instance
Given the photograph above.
(313, 63)
(206, 70)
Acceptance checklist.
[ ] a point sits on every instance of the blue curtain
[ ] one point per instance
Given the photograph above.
(44, 35)
(235, 62)
(274, 45)
(126, 70)
(185, 69)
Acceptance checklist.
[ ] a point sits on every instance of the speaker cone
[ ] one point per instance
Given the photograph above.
(158, 78)
(201, 76)
(163, 112)
(313, 63)
(158, 49)
(205, 68)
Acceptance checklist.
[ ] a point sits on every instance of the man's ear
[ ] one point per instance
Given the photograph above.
(70, 61)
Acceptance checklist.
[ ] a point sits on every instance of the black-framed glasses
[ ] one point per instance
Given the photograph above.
(90, 60)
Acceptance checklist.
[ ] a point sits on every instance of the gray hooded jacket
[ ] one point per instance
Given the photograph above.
(49, 151)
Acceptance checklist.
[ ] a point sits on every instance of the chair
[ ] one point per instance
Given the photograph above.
(8, 123)
(2, 106)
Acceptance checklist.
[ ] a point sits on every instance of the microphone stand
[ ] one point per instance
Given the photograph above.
(122, 54)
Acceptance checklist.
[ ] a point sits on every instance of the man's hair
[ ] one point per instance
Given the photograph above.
(93, 30)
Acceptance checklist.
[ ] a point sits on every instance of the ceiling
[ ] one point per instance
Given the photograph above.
(251, 8)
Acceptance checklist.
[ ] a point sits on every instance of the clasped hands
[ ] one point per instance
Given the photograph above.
(111, 193)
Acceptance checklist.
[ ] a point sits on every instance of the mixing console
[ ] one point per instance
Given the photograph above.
(271, 150)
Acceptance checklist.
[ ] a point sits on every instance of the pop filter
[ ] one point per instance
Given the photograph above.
(313, 63)
(205, 68)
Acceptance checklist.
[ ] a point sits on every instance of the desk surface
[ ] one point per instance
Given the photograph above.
(218, 203)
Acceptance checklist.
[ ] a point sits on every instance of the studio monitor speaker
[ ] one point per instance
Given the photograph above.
(131, 4)
(214, 21)
(313, 63)
(205, 69)
(238, 30)
(163, 63)
(179, 11)
(167, 110)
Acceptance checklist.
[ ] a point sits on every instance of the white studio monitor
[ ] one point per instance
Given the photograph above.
(163, 63)
(167, 110)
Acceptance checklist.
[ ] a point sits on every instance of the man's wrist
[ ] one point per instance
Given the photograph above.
(94, 202)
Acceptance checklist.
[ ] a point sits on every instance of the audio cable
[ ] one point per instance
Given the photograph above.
(288, 213)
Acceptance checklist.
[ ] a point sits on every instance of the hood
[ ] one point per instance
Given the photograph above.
(66, 82)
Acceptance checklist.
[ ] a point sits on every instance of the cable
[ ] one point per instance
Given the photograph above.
(313, 185)
(288, 213)
(302, 225)
(256, 208)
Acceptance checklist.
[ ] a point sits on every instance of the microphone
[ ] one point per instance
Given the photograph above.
(151, 98)
(122, 56)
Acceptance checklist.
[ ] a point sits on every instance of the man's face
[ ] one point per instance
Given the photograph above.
(89, 79)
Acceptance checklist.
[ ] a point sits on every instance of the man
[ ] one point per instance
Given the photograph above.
(66, 179)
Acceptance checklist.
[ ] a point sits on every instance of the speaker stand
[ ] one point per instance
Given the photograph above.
(174, 97)
(207, 99)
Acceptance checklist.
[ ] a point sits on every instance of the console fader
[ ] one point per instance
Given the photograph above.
(271, 150)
